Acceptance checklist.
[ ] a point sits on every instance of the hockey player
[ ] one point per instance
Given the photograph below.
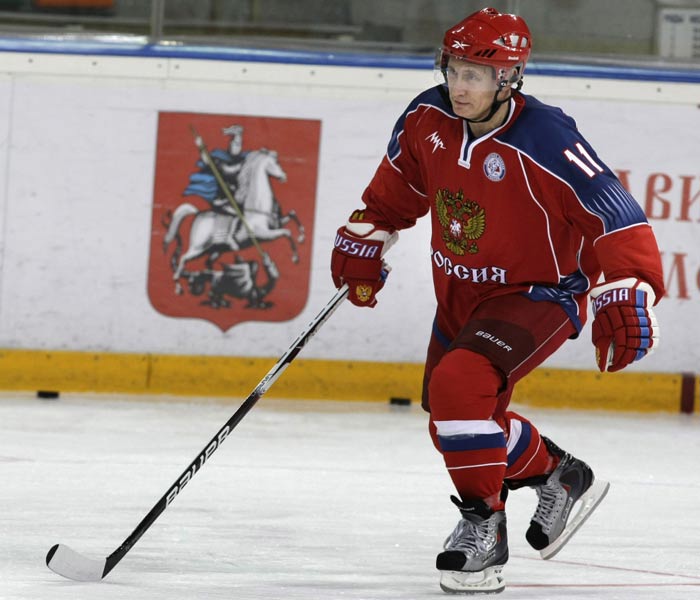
(527, 221)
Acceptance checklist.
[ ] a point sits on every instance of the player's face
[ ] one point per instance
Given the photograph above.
(471, 87)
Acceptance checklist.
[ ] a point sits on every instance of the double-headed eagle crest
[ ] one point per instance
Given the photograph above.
(463, 221)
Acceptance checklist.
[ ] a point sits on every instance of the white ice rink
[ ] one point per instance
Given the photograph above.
(320, 500)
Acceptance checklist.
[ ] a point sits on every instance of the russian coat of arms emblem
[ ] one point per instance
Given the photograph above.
(463, 221)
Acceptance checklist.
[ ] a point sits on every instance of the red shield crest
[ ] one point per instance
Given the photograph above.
(233, 217)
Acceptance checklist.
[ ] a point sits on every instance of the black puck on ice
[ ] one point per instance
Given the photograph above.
(396, 401)
(47, 394)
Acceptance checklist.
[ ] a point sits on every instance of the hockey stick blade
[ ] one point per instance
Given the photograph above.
(68, 563)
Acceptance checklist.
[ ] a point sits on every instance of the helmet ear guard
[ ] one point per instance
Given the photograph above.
(515, 80)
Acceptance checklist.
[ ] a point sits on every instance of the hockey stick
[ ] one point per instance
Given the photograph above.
(70, 564)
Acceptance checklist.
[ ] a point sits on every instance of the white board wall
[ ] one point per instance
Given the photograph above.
(77, 153)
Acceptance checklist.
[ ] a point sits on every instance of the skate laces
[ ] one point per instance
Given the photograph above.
(471, 538)
(552, 497)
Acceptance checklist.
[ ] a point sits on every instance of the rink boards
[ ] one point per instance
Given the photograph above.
(200, 376)
(98, 154)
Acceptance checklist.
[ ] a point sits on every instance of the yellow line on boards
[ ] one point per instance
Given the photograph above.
(68, 371)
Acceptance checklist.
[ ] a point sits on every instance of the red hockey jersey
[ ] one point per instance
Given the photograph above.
(528, 208)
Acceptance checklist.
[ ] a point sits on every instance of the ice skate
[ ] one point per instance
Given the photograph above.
(475, 551)
(567, 497)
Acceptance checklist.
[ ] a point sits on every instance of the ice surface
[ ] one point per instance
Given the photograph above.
(316, 500)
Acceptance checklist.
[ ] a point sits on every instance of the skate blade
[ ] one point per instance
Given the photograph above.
(587, 504)
(488, 581)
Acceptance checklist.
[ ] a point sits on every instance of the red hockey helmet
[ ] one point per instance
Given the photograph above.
(490, 38)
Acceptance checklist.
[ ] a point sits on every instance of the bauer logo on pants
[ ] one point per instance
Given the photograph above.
(232, 223)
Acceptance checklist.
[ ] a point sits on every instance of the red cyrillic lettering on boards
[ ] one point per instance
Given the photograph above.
(652, 198)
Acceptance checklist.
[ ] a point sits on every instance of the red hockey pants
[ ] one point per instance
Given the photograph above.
(467, 388)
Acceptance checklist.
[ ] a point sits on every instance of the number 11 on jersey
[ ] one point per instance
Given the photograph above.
(578, 161)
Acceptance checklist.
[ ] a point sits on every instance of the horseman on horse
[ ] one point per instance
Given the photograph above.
(237, 221)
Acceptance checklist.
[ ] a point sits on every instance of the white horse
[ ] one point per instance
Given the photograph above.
(215, 232)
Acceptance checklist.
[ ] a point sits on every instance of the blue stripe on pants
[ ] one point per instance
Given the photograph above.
(456, 443)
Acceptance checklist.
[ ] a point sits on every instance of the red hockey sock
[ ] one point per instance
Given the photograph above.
(463, 393)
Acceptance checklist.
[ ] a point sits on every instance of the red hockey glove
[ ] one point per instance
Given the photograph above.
(624, 327)
(357, 259)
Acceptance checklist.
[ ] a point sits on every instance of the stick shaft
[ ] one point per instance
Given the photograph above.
(265, 384)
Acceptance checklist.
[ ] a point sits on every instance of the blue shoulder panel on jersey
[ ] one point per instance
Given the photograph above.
(550, 138)
(430, 97)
